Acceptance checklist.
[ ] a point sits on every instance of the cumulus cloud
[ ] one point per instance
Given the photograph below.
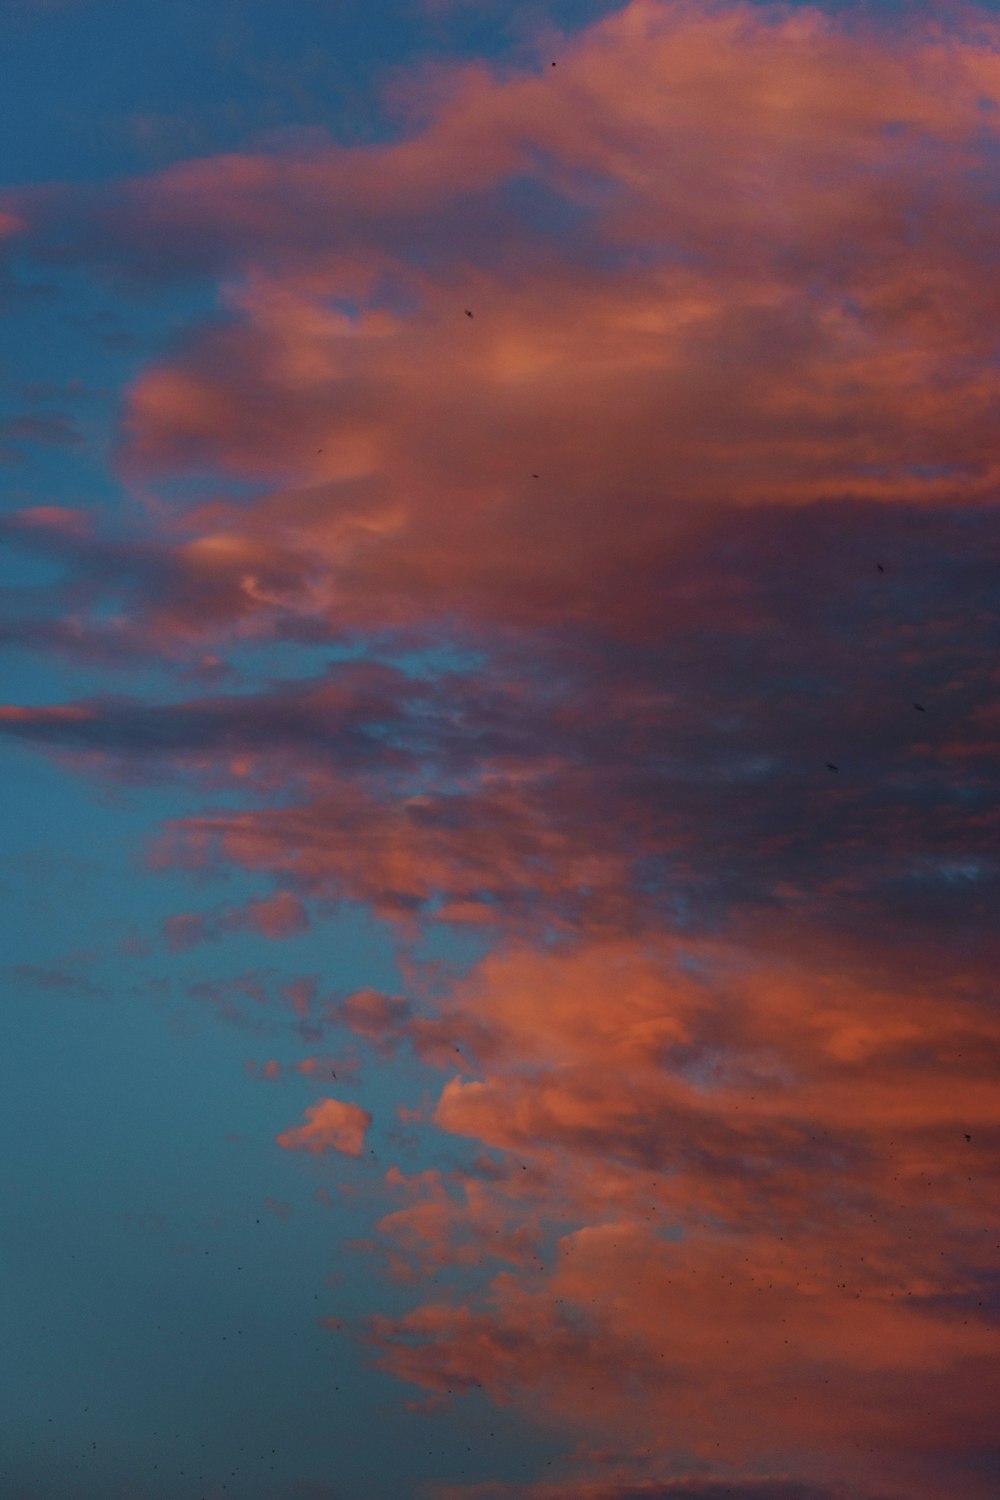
(752, 322)
(778, 1164)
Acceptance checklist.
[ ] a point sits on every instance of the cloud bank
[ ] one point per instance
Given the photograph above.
(669, 575)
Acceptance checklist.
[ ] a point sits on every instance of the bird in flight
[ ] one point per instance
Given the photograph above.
(880, 567)
(831, 767)
(920, 708)
(467, 313)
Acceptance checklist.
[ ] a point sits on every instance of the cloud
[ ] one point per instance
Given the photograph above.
(490, 797)
(61, 977)
(698, 504)
(332, 1126)
(695, 1488)
(753, 319)
(377, 1017)
(347, 705)
(278, 1207)
(722, 1057)
(279, 916)
(184, 930)
(344, 1068)
(241, 1000)
(769, 1159)
(50, 428)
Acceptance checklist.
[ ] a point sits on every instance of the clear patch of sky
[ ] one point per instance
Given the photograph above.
(72, 869)
(286, 661)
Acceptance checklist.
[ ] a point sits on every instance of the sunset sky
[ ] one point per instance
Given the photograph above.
(500, 590)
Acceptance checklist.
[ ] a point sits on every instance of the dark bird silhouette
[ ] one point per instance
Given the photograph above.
(831, 767)
(920, 708)
(968, 1137)
(467, 313)
(880, 567)
(534, 476)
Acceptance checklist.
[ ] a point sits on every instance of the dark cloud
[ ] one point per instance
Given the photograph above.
(65, 977)
(579, 776)
(48, 428)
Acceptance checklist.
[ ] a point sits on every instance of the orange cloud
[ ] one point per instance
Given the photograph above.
(331, 1125)
(780, 1169)
(329, 1067)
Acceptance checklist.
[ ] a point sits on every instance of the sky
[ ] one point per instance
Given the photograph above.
(500, 740)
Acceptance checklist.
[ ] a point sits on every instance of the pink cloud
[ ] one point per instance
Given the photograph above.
(278, 1207)
(279, 916)
(344, 1068)
(728, 1067)
(378, 1017)
(753, 318)
(694, 1487)
(185, 930)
